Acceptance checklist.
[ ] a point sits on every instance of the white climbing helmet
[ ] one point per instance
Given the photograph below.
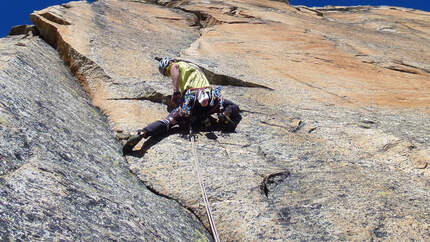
(164, 63)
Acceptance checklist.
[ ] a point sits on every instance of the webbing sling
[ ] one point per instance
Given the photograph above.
(202, 188)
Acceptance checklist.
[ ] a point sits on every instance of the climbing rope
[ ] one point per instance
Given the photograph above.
(202, 188)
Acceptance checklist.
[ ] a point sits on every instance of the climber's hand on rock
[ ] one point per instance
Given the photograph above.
(176, 98)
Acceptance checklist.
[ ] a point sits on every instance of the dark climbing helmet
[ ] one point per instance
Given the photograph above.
(164, 63)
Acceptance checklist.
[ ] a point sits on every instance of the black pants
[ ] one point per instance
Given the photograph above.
(199, 113)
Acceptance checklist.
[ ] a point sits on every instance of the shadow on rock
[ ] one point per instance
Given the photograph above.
(155, 140)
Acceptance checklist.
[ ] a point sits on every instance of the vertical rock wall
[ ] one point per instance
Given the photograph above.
(62, 174)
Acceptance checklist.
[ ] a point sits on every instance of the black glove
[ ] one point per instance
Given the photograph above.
(176, 98)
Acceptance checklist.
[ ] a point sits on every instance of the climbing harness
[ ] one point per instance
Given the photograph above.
(202, 187)
(191, 97)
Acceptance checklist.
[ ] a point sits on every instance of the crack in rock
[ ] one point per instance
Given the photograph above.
(344, 9)
(153, 190)
(221, 79)
(417, 66)
(86, 71)
(367, 124)
(390, 145)
(271, 181)
(294, 126)
(54, 18)
(274, 125)
(314, 11)
(404, 70)
(155, 97)
(204, 20)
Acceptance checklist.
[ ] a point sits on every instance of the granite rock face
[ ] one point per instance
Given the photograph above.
(334, 141)
(62, 175)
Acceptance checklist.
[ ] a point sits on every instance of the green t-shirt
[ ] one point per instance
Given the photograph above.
(190, 77)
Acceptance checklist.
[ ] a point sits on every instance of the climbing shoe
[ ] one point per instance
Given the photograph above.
(131, 142)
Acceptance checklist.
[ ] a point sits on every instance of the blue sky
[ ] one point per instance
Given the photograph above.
(17, 12)
(415, 4)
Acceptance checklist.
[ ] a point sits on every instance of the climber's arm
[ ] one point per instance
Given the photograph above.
(174, 73)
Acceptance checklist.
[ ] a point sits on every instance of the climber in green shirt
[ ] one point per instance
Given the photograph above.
(194, 99)
(184, 75)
